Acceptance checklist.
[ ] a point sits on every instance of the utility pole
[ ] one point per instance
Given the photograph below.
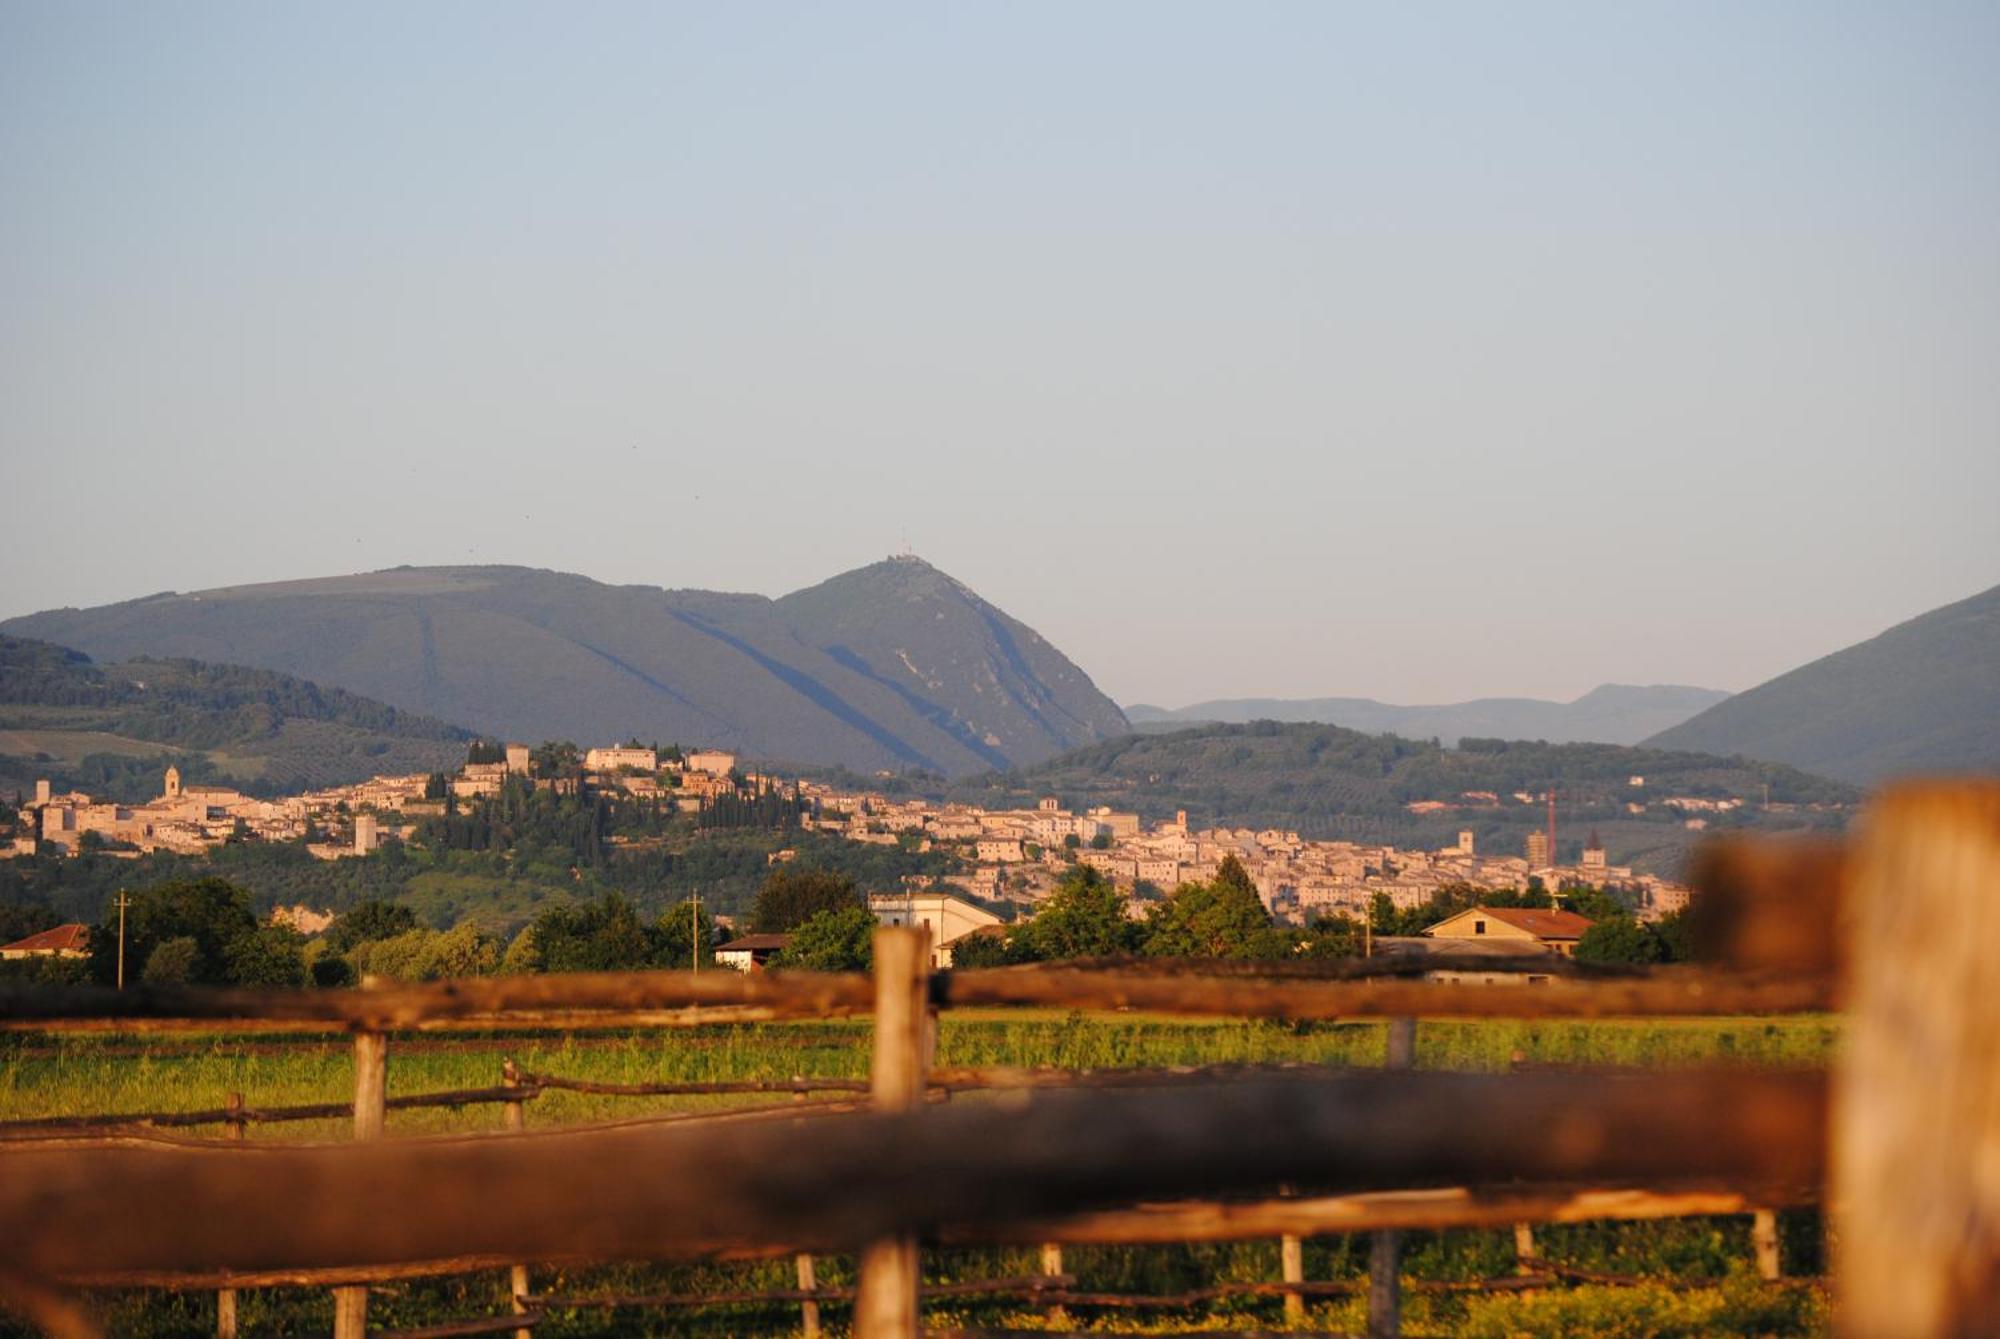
(694, 933)
(123, 902)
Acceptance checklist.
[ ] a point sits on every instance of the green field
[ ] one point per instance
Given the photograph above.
(1707, 1259)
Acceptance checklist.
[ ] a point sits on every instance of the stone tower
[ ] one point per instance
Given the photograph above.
(173, 791)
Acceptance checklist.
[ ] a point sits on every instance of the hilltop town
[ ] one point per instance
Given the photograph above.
(999, 856)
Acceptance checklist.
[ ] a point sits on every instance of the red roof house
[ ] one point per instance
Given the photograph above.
(1557, 930)
(65, 941)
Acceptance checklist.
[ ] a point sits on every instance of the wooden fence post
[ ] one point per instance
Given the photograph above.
(1292, 1265)
(514, 1118)
(808, 1308)
(1764, 1238)
(1385, 1249)
(225, 1298)
(1524, 1248)
(371, 1091)
(1916, 1088)
(1052, 1265)
(885, 1305)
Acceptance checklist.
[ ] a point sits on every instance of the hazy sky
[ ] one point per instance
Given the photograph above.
(1411, 351)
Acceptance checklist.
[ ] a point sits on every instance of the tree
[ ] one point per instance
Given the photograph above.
(330, 972)
(602, 936)
(211, 912)
(555, 758)
(1219, 919)
(1337, 936)
(989, 947)
(683, 928)
(1676, 940)
(1383, 918)
(429, 955)
(19, 920)
(1592, 902)
(837, 939)
(523, 955)
(173, 962)
(372, 919)
(271, 955)
(791, 896)
(1619, 939)
(1083, 918)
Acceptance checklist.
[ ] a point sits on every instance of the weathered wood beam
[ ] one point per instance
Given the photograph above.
(671, 1190)
(1670, 992)
(1917, 1123)
(480, 999)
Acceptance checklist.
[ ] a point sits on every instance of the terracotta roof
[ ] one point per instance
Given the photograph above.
(72, 938)
(753, 943)
(1540, 923)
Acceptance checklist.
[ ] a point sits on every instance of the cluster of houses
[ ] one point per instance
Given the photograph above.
(1018, 854)
(1009, 855)
(636, 771)
(186, 818)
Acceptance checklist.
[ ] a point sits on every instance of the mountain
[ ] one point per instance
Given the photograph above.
(1329, 782)
(112, 730)
(1610, 714)
(894, 666)
(1922, 697)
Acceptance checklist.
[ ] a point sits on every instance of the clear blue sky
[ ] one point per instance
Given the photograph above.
(1414, 351)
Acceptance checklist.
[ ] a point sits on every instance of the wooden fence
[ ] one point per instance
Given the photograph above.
(1900, 929)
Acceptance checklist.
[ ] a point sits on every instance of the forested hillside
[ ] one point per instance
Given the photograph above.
(497, 888)
(1922, 697)
(113, 729)
(1334, 783)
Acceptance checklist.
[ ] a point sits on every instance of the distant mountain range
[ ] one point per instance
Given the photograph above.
(1922, 697)
(893, 666)
(1611, 714)
(112, 730)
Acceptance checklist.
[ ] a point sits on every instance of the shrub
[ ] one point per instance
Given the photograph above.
(841, 940)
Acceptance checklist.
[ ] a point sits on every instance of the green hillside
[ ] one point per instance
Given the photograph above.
(1338, 784)
(895, 666)
(1922, 697)
(113, 729)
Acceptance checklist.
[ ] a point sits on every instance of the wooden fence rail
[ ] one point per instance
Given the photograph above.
(661, 1192)
(42, 1126)
(667, 999)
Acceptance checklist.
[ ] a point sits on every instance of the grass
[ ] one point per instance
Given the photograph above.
(80, 1073)
(1705, 1258)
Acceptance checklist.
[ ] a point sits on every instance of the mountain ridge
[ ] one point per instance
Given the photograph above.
(893, 666)
(1607, 714)
(1922, 696)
